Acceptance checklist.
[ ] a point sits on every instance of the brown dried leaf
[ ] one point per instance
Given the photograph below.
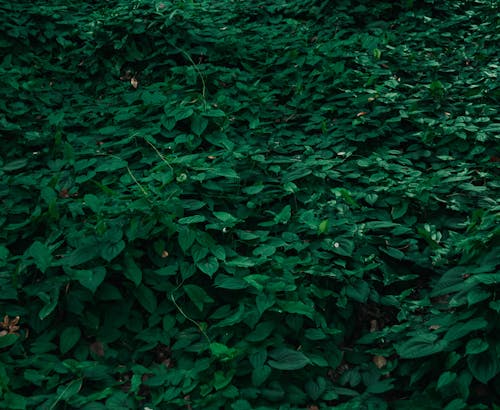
(97, 348)
(380, 361)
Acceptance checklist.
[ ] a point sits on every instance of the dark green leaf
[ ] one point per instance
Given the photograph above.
(41, 254)
(208, 266)
(197, 295)
(287, 359)
(483, 366)
(68, 338)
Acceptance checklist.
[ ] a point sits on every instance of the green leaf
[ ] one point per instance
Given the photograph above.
(222, 351)
(260, 375)
(381, 386)
(399, 210)
(111, 164)
(315, 388)
(4, 253)
(475, 346)
(421, 346)
(13, 401)
(50, 303)
(359, 292)
(198, 124)
(445, 379)
(41, 254)
(70, 390)
(222, 379)
(15, 165)
(110, 251)
(264, 302)
(209, 266)
(323, 226)
(476, 295)
(297, 307)
(118, 401)
(261, 332)
(132, 271)
(483, 366)
(93, 202)
(226, 218)
(235, 317)
(82, 254)
(287, 359)
(258, 359)
(91, 279)
(69, 338)
(242, 262)
(284, 216)
(197, 295)
(460, 330)
(456, 404)
(146, 298)
(264, 250)
(8, 340)
(315, 334)
(230, 282)
(214, 113)
(181, 113)
(187, 237)
(192, 219)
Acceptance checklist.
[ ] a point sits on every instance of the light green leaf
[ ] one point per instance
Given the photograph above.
(284, 215)
(192, 219)
(226, 218)
(445, 379)
(323, 226)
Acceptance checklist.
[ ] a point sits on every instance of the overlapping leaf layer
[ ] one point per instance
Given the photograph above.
(249, 205)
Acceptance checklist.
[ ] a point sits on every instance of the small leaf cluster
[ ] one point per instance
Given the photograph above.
(249, 205)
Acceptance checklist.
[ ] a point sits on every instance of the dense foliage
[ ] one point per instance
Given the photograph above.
(249, 204)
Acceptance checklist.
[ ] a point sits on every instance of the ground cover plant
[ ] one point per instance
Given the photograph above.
(249, 205)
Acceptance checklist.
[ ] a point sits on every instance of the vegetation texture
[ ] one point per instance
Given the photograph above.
(249, 204)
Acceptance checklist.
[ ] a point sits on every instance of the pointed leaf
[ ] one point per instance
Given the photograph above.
(288, 359)
(208, 266)
(69, 338)
(41, 254)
